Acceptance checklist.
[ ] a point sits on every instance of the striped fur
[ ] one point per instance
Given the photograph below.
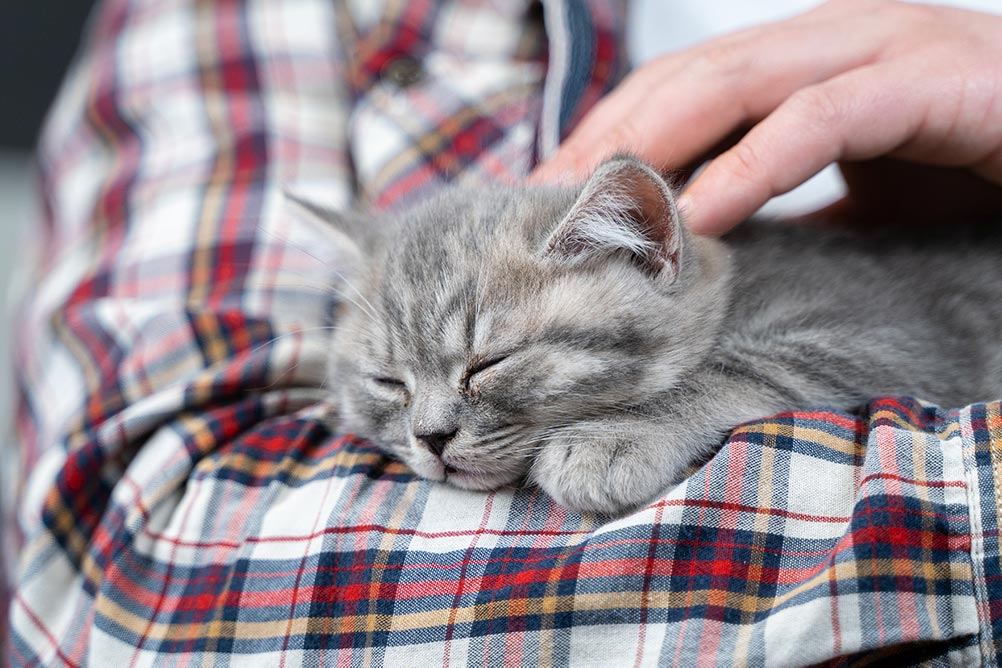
(529, 323)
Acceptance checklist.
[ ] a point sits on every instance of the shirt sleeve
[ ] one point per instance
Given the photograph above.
(177, 318)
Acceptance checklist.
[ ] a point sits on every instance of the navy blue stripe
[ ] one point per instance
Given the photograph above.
(580, 61)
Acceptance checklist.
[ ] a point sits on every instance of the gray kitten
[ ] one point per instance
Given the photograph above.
(582, 338)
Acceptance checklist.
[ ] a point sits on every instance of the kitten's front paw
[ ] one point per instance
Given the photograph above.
(610, 475)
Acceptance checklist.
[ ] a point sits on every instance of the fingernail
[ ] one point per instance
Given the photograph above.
(686, 213)
(684, 206)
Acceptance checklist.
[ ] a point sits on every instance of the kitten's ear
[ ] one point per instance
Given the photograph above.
(349, 234)
(624, 206)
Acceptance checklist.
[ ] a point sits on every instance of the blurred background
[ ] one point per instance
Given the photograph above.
(37, 42)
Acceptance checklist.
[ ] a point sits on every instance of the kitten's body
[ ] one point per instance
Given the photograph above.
(582, 337)
(915, 312)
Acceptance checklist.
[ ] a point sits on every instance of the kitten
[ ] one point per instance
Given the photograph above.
(583, 339)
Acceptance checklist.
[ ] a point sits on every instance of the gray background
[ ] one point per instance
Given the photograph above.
(16, 203)
(37, 41)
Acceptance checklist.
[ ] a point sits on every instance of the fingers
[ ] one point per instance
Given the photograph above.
(912, 82)
(854, 116)
(676, 108)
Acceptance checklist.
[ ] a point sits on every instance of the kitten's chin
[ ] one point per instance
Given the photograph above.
(432, 468)
(480, 482)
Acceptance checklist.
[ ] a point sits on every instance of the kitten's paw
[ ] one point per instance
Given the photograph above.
(602, 475)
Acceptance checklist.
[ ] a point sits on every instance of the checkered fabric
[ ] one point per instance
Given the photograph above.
(181, 502)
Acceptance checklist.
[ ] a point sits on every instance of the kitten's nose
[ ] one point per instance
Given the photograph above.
(436, 442)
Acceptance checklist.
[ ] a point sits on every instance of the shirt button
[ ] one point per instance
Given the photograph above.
(403, 71)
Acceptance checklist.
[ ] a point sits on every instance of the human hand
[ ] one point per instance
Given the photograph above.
(853, 80)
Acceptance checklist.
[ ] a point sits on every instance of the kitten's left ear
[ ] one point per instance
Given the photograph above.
(348, 232)
(624, 206)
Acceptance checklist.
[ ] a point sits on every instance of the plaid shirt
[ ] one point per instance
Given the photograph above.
(180, 500)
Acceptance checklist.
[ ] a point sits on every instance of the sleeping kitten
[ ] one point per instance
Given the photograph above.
(582, 338)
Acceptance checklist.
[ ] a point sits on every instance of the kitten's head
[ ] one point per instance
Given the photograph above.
(477, 324)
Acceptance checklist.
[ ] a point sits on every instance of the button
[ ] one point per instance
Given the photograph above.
(403, 71)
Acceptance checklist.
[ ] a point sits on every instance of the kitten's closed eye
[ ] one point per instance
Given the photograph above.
(483, 366)
(390, 383)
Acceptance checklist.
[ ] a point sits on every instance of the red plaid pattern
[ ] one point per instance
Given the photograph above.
(182, 501)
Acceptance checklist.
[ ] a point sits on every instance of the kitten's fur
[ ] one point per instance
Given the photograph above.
(581, 337)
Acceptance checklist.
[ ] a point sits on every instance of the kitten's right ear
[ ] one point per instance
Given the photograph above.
(625, 207)
(349, 234)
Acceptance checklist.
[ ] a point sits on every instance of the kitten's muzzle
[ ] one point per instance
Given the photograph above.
(436, 442)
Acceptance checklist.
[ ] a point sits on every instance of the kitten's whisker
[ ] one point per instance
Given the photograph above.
(504, 431)
(289, 242)
(357, 328)
(281, 376)
(354, 303)
(294, 332)
(372, 309)
(326, 379)
(477, 293)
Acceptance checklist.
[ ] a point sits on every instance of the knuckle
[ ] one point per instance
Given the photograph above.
(624, 137)
(744, 161)
(908, 13)
(855, 6)
(722, 58)
(914, 24)
(817, 105)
